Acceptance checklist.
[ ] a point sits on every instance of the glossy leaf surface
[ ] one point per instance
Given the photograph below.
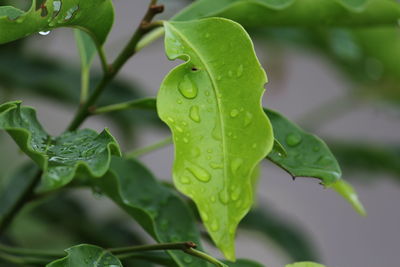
(305, 264)
(308, 156)
(212, 105)
(50, 14)
(255, 13)
(60, 158)
(165, 217)
(87, 256)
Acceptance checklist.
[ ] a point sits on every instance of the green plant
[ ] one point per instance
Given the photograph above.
(212, 105)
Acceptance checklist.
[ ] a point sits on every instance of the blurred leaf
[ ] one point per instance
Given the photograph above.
(51, 14)
(87, 256)
(308, 156)
(87, 50)
(166, 218)
(305, 264)
(296, 13)
(243, 263)
(207, 120)
(60, 158)
(289, 237)
(369, 159)
(12, 193)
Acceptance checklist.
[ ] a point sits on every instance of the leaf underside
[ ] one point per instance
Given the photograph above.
(81, 152)
(308, 156)
(253, 13)
(86, 256)
(212, 103)
(165, 217)
(15, 24)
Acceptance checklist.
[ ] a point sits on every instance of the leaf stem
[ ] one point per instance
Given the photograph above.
(112, 70)
(30, 252)
(144, 150)
(204, 256)
(143, 103)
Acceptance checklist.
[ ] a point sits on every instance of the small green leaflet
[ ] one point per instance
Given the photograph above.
(60, 158)
(305, 264)
(87, 256)
(51, 14)
(212, 103)
(166, 217)
(308, 156)
(296, 13)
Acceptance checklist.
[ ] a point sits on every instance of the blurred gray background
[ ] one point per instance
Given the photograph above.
(298, 83)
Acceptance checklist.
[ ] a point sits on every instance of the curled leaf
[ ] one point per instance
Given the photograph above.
(212, 105)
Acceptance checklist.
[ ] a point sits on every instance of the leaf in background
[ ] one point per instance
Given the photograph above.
(60, 158)
(368, 159)
(305, 264)
(308, 156)
(50, 14)
(243, 263)
(291, 238)
(87, 256)
(212, 105)
(296, 13)
(87, 50)
(166, 218)
(11, 194)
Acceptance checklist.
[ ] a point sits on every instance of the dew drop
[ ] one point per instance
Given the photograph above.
(207, 35)
(239, 71)
(195, 152)
(194, 113)
(234, 113)
(187, 259)
(235, 193)
(44, 33)
(254, 145)
(223, 197)
(204, 216)
(216, 132)
(248, 118)
(179, 101)
(230, 73)
(57, 6)
(214, 226)
(170, 119)
(293, 139)
(200, 173)
(216, 166)
(185, 140)
(179, 129)
(324, 160)
(236, 164)
(71, 12)
(316, 148)
(187, 88)
(213, 199)
(219, 77)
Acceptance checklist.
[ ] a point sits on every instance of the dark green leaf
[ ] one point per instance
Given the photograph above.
(289, 237)
(244, 263)
(60, 158)
(308, 156)
(87, 256)
(52, 14)
(212, 105)
(165, 217)
(297, 12)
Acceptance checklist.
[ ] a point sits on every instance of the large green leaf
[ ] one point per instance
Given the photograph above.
(87, 256)
(297, 12)
(305, 264)
(50, 14)
(291, 238)
(165, 217)
(60, 158)
(212, 105)
(308, 156)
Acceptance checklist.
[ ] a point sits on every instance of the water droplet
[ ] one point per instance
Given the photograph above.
(213, 199)
(235, 193)
(216, 132)
(219, 77)
(209, 150)
(239, 71)
(56, 6)
(170, 119)
(316, 148)
(204, 216)
(194, 113)
(214, 226)
(179, 129)
(293, 139)
(324, 160)
(44, 33)
(207, 93)
(248, 118)
(232, 230)
(185, 140)
(207, 35)
(179, 101)
(71, 12)
(187, 259)
(215, 165)
(236, 164)
(200, 173)
(234, 113)
(195, 152)
(230, 73)
(254, 145)
(187, 88)
(223, 197)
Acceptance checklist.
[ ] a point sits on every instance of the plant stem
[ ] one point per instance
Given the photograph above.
(144, 103)
(130, 49)
(24, 261)
(204, 256)
(144, 150)
(30, 252)
(150, 37)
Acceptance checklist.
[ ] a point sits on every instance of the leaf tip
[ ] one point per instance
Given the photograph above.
(347, 191)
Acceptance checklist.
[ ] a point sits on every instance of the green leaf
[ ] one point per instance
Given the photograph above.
(291, 238)
(308, 156)
(165, 217)
(87, 256)
(212, 105)
(12, 193)
(51, 14)
(87, 50)
(60, 158)
(305, 264)
(255, 13)
(244, 263)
